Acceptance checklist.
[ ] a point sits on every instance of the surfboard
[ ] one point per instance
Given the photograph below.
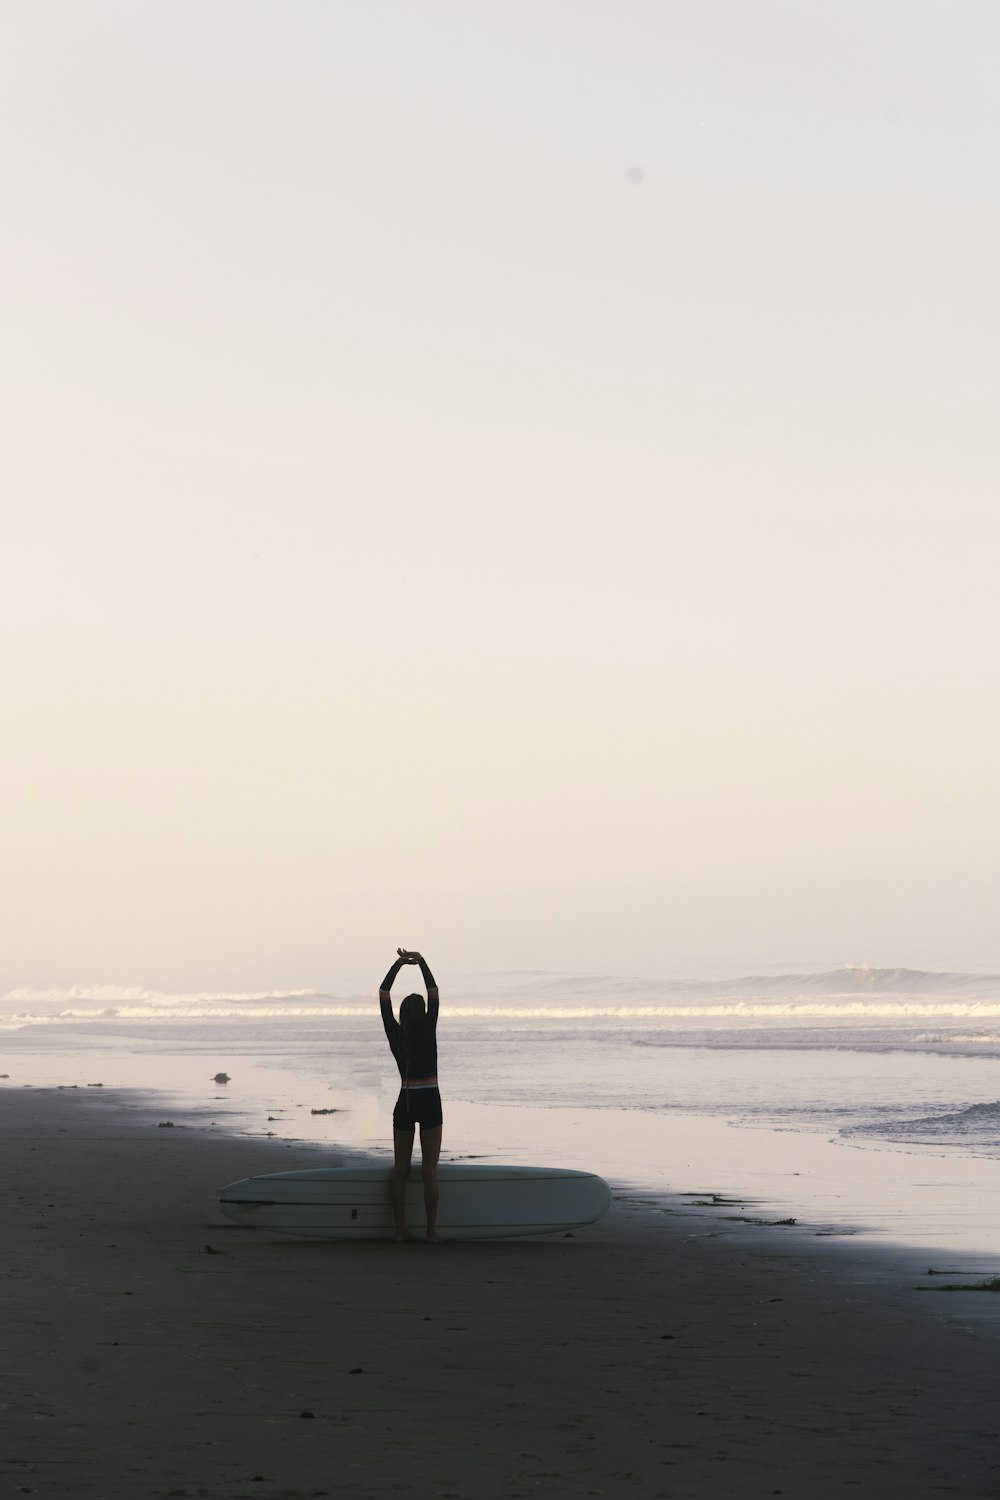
(477, 1202)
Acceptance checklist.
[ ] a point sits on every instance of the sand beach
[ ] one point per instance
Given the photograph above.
(150, 1349)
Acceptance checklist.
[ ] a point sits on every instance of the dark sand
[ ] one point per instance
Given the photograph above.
(636, 1358)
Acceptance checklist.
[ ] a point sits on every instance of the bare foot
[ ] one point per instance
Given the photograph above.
(402, 1236)
(432, 1238)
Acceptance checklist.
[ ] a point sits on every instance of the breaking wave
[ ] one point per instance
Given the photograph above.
(852, 980)
(114, 994)
(975, 1123)
(837, 996)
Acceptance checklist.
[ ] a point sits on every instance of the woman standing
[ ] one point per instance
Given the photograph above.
(413, 1039)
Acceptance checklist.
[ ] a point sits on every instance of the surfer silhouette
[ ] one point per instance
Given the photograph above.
(413, 1039)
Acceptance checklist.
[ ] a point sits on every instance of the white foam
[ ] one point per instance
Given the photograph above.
(183, 1008)
(833, 997)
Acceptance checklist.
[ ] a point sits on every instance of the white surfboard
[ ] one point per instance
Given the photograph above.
(477, 1202)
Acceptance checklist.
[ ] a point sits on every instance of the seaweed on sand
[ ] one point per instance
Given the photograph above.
(989, 1284)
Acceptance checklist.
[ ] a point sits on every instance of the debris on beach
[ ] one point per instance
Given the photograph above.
(991, 1284)
(221, 1078)
(931, 1272)
(324, 1111)
(211, 1250)
(758, 1223)
(717, 1200)
(95, 1085)
(165, 1125)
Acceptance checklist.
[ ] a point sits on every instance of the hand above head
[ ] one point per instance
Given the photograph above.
(410, 956)
(404, 958)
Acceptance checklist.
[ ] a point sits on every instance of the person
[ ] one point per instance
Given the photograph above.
(413, 1039)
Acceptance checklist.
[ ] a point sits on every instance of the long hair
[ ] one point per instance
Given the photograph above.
(412, 1016)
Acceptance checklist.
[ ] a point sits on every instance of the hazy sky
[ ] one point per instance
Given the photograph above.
(513, 477)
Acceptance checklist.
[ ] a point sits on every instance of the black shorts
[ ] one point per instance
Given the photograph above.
(417, 1107)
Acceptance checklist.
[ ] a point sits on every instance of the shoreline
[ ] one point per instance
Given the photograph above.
(645, 1355)
(914, 1204)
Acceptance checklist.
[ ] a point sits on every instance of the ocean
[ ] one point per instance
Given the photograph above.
(857, 1101)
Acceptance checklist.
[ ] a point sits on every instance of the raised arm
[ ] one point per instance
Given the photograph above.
(385, 1001)
(386, 985)
(432, 990)
(429, 980)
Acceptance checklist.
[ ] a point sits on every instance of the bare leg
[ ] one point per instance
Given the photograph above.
(430, 1150)
(402, 1142)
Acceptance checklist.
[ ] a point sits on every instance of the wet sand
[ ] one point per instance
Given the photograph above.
(639, 1357)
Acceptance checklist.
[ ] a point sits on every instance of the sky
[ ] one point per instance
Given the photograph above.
(513, 478)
